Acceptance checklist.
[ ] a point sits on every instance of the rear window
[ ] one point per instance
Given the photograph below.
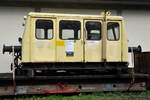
(69, 30)
(93, 29)
(113, 31)
(44, 29)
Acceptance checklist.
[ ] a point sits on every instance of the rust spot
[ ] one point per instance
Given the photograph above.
(61, 89)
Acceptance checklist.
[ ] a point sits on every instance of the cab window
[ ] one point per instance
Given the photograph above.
(93, 30)
(113, 31)
(44, 29)
(69, 30)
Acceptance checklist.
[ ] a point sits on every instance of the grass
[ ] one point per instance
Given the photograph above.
(92, 96)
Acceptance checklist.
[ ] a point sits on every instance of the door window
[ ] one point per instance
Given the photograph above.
(69, 30)
(113, 31)
(44, 29)
(93, 29)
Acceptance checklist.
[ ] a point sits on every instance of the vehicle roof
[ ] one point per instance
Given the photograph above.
(41, 14)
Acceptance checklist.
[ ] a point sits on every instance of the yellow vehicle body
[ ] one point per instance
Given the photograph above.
(105, 47)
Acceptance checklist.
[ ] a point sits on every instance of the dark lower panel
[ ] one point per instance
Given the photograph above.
(142, 62)
(75, 65)
(63, 69)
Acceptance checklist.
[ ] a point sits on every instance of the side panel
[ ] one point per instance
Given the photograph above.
(69, 40)
(26, 42)
(93, 43)
(43, 39)
(114, 39)
(124, 44)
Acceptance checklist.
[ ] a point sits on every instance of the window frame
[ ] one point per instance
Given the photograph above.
(49, 20)
(118, 31)
(87, 31)
(60, 31)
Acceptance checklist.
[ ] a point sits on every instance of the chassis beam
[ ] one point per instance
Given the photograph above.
(68, 84)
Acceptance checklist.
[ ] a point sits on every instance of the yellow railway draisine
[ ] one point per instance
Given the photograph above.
(67, 43)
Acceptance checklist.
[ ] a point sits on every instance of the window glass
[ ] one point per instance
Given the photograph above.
(113, 31)
(93, 30)
(44, 29)
(69, 30)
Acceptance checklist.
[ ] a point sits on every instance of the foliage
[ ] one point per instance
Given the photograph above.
(92, 96)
